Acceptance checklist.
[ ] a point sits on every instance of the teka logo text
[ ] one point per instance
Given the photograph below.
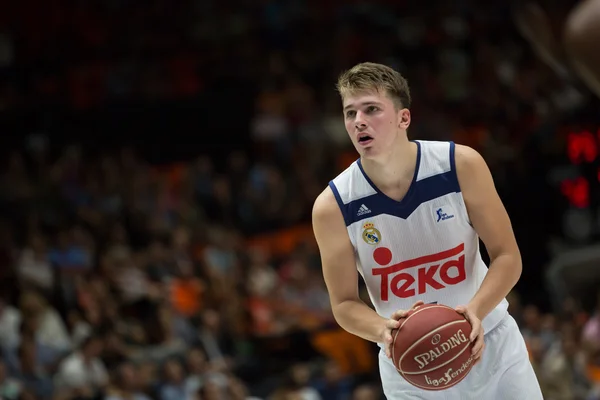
(416, 276)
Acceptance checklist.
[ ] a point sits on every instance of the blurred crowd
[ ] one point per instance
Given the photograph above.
(564, 348)
(123, 281)
(126, 280)
(467, 65)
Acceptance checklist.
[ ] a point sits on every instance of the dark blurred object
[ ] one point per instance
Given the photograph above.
(568, 46)
(582, 34)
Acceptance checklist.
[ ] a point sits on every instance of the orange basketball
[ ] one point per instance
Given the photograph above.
(431, 350)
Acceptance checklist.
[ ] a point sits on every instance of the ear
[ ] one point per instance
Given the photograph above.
(404, 118)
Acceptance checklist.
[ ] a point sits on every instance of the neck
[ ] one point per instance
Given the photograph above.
(395, 168)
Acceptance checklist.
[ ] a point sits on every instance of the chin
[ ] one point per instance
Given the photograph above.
(367, 152)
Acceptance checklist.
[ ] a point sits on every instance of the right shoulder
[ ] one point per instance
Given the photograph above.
(327, 215)
(328, 203)
(325, 204)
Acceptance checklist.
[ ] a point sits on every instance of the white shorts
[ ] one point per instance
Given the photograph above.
(504, 372)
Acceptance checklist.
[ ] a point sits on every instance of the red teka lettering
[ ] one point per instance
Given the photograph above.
(429, 274)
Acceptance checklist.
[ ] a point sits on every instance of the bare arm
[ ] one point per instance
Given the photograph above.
(339, 271)
(492, 224)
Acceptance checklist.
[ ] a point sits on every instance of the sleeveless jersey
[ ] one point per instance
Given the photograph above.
(420, 248)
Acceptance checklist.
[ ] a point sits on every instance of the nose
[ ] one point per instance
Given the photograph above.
(359, 121)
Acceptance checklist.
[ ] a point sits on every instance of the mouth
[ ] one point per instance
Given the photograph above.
(364, 139)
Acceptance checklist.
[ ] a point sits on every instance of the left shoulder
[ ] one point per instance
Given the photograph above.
(472, 171)
(467, 158)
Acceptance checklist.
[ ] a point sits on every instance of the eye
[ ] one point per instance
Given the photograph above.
(371, 109)
(350, 113)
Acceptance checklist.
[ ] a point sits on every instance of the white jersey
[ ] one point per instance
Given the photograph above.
(420, 248)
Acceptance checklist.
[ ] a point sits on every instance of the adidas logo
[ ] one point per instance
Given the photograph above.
(363, 210)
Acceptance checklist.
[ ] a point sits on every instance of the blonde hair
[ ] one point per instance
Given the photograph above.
(369, 76)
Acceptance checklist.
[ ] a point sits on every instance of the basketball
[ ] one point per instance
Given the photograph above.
(431, 349)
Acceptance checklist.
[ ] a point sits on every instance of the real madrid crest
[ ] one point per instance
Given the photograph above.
(370, 234)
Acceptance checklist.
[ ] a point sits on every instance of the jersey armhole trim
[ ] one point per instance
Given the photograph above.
(454, 173)
(341, 204)
(453, 160)
(455, 176)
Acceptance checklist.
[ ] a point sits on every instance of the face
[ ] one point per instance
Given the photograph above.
(373, 122)
(364, 393)
(197, 361)
(301, 374)
(128, 376)
(174, 371)
(212, 391)
(531, 317)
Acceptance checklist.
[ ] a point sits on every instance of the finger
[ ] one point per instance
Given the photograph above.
(478, 344)
(388, 350)
(392, 324)
(399, 314)
(402, 313)
(475, 331)
(387, 337)
(418, 303)
(479, 354)
(477, 347)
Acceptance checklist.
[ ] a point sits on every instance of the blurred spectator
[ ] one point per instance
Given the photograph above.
(10, 321)
(83, 372)
(50, 329)
(333, 384)
(366, 392)
(35, 374)
(565, 368)
(591, 344)
(534, 327)
(34, 266)
(591, 329)
(125, 384)
(174, 381)
(201, 372)
(300, 376)
(10, 388)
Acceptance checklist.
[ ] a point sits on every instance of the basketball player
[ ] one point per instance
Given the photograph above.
(407, 215)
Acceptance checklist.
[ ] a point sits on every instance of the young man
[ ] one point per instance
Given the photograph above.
(408, 216)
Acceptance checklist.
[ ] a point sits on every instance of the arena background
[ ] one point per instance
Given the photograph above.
(160, 160)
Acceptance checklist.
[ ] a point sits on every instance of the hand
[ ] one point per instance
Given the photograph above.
(476, 336)
(394, 323)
